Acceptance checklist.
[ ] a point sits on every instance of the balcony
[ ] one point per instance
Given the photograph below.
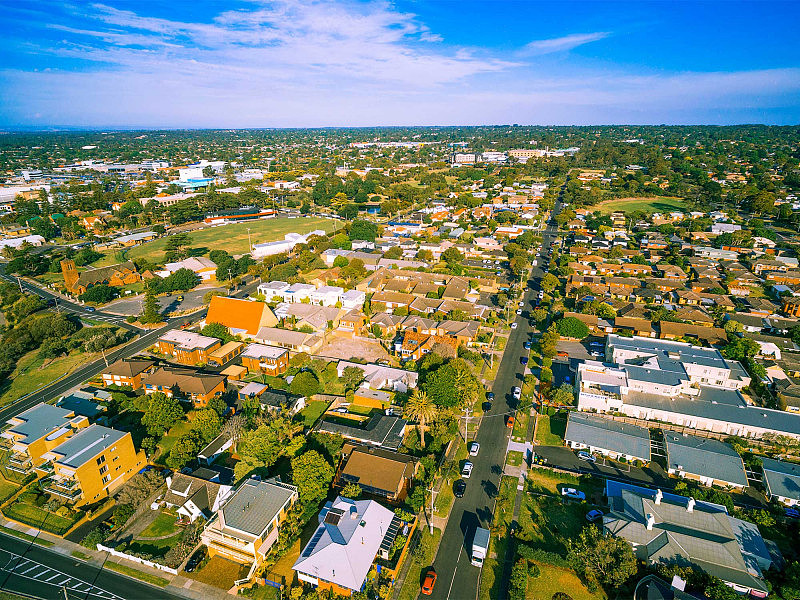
(46, 468)
(21, 463)
(66, 488)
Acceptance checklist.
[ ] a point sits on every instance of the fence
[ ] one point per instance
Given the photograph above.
(136, 559)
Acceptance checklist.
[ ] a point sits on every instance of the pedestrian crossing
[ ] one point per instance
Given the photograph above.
(42, 574)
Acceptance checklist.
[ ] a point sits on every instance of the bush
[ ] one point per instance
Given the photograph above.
(122, 513)
(94, 537)
(534, 572)
(543, 556)
(572, 327)
(561, 596)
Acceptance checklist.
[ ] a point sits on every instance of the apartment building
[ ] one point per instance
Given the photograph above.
(269, 360)
(195, 387)
(245, 528)
(188, 348)
(30, 435)
(676, 383)
(127, 372)
(92, 464)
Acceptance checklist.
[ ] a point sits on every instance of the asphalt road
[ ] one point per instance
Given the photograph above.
(192, 300)
(456, 577)
(42, 573)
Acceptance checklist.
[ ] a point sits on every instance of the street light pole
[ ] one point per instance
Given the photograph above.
(249, 241)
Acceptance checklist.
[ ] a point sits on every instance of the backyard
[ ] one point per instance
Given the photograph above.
(653, 204)
(172, 436)
(233, 238)
(550, 429)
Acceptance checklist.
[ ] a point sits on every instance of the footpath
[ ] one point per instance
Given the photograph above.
(177, 584)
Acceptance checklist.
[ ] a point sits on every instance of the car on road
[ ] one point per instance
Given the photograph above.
(459, 487)
(526, 345)
(523, 360)
(792, 513)
(516, 392)
(586, 456)
(521, 303)
(489, 396)
(466, 470)
(519, 311)
(514, 325)
(594, 515)
(195, 560)
(90, 309)
(180, 298)
(541, 294)
(474, 448)
(429, 582)
(573, 494)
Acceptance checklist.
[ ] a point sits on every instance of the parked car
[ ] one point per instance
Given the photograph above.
(459, 487)
(792, 513)
(573, 494)
(519, 311)
(526, 345)
(90, 309)
(516, 392)
(474, 448)
(195, 560)
(429, 582)
(510, 421)
(466, 470)
(521, 303)
(595, 353)
(523, 360)
(594, 515)
(514, 325)
(489, 396)
(586, 456)
(562, 354)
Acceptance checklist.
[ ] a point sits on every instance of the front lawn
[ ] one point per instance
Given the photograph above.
(219, 572)
(157, 548)
(421, 558)
(550, 429)
(7, 489)
(514, 458)
(555, 579)
(520, 431)
(165, 523)
(39, 518)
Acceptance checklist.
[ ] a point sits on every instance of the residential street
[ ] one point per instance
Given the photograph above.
(457, 578)
(36, 571)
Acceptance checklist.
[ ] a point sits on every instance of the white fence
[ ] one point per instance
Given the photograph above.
(141, 561)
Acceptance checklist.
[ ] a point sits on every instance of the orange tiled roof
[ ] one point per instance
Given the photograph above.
(236, 314)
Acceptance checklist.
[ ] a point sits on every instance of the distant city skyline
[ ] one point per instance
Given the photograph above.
(252, 64)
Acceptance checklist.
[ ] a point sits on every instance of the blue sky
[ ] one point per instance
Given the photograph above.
(262, 63)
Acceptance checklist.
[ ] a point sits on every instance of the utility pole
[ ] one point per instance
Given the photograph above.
(230, 278)
(467, 412)
(430, 521)
(249, 241)
(19, 282)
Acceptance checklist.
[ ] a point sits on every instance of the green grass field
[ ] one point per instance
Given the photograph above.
(25, 536)
(555, 579)
(233, 238)
(38, 517)
(171, 437)
(30, 374)
(156, 548)
(645, 204)
(550, 430)
(422, 558)
(164, 524)
(7, 489)
(312, 412)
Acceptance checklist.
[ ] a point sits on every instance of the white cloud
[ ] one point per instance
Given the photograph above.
(562, 44)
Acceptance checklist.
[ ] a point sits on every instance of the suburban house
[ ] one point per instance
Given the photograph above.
(296, 341)
(215, 448)
(246, 526)
(32, 433)
(782, 481)
(369, 398)
(378, 472)
(668, 529)
(198, 388)
(187, 347)
(204, 268)
(127, 372)
(378, 430)
(705, 460)
(349, 537)
(241, 317)
(93, 464)
(225, 353)
(382, 377)
(608, 437)
(116, 275)
(416, 345)
(269, 360)
(193, 497)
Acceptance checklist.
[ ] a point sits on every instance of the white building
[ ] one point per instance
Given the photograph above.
(353, 299)
(326, 295)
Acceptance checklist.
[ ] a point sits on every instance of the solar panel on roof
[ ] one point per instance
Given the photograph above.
(391, 534)
(334, 516)
(313, 542)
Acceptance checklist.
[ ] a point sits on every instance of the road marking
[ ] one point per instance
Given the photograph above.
(52, 577)
(31, 569)
(452, 581)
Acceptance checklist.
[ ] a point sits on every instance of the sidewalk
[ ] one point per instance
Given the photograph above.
(178, 585)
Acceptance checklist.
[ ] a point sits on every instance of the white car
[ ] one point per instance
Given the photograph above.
(474, 447)
(514, 325)
(466, 471)
(521, 303)
(517, 393)
(519, 311)
(573, 494)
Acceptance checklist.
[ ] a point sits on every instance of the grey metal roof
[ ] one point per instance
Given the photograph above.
(87, 444)
(616, 436)
(658, 376)
(705, 457)
(781, 478)
(39, 421)
(383, 431)
(255, 504)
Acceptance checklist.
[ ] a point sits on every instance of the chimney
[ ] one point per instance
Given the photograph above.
(659, 496)
(690, 505)
(651, 520)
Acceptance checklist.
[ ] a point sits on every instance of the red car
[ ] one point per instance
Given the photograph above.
(429, 582)
(510, 421)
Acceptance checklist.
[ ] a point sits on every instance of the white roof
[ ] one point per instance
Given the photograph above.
(262, 351)
(346, 542)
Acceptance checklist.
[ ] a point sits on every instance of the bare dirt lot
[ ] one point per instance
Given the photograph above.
(347, 348)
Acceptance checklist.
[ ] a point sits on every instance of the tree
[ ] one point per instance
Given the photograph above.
(452, 256)
(600, 558)
(351, 378)
(312, 475)
(549, 283)
(563, 394)
(100, 294)
(340, 261)
(518, 583)
(351, 490)
(393, 252)
(362, 229)
(185, 450)
(150, 313)
(741, 349)
(161, 414)
(217, 330)
(419, 408)
(176, 247)
(207, 423)
(261, 448)
(572, 327)
(305, 384)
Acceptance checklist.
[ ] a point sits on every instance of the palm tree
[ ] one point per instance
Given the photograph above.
(420, 408)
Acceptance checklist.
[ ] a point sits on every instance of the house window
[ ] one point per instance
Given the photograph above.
(106, 478)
